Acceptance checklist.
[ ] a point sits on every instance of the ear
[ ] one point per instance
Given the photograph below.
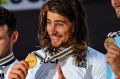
(15, 36)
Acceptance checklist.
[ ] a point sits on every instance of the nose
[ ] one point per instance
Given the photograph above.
(52, 29)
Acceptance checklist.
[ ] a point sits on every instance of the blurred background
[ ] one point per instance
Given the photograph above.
(100, 16)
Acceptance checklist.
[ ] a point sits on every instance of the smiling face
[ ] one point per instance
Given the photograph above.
(116, 6)
(59, 29)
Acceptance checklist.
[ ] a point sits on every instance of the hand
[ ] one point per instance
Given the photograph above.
(113, 58)
(60, 73)
(19, 71)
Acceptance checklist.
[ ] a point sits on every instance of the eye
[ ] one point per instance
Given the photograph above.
(48, 22)
(59, 24)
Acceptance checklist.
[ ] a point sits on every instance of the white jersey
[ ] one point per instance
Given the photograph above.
(6, 64)
(9, 68)
(96, 67)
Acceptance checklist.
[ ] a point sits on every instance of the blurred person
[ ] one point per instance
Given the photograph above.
(64, 52)
(8, 36)
(113, 51)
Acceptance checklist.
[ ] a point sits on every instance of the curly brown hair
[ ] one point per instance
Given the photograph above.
(73, 10)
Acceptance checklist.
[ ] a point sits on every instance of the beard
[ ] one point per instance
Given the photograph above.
(117, 12)
(118, 15)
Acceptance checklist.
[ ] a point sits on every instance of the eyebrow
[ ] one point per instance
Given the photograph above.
(56, 20)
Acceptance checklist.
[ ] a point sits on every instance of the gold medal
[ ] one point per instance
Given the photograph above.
(31, 59)
(109, 41)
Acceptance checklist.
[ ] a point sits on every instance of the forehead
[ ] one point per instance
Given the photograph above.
(55, 16)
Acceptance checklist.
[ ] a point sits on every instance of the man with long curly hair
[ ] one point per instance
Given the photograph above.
(64, 52)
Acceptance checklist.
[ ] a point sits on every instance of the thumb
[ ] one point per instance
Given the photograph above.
(60, 73)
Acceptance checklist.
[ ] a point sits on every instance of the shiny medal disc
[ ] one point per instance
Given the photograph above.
(109, 41)
(31, 59)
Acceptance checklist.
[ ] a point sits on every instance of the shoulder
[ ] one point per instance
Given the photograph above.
(97, 62)
(94, 56)
(40, 52)
(12, 64)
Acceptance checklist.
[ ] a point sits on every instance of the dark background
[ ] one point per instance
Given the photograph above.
(101, 19)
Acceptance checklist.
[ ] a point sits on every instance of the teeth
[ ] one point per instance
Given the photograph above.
(54, 38)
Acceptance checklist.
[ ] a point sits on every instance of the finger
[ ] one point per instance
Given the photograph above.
(59, 69)
(17, 73)
(114, 50)
(109, 60)
(60, 73)
(23, 66)
(111, 55)
(114, 47)
(13, 76)
(20, 70)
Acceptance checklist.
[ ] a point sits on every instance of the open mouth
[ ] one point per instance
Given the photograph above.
(54, 38)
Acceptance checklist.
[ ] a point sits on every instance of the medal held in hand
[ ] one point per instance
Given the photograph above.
(109, 41)
(31, 59)
(113, 39)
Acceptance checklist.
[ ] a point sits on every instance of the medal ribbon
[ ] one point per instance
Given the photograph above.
(52, 55)
(58, 54)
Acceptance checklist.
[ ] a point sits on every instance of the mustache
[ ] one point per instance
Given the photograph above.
(55, 34)
(116, 5)
(58, 35)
